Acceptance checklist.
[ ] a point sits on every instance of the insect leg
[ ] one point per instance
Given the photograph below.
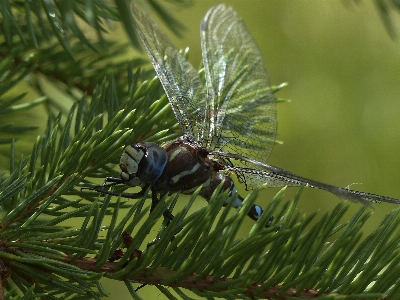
(154, 201)
(114, 180)
(104, 189)
(137, 195)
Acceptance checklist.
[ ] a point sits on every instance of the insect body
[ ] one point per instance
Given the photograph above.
(179, 166)
(229, 124)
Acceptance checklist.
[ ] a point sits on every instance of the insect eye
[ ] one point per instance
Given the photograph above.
(152, 165)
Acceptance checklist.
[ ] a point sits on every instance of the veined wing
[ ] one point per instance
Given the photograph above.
(277, 177)
(241, 109)
(180, 80)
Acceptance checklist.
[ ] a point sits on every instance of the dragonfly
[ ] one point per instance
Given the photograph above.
(228, 119)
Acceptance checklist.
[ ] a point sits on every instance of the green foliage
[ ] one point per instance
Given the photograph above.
(56, 240)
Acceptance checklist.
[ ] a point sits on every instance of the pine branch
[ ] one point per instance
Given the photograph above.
(46, 41)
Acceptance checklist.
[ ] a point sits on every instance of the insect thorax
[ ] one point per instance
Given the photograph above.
(178, 166)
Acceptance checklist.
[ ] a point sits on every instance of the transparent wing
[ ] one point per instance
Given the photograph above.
(180, 80)
(240, 109)
(277, 177)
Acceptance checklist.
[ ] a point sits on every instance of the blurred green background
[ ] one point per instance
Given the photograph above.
(343, 69)
(342, 124)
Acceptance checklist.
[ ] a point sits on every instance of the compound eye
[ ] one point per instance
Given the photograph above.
(152, 165)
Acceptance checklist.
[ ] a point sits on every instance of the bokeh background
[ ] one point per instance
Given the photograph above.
(342, 125)
(343, 70)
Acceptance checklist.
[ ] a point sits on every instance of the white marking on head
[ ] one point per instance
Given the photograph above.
(129, 164)
(136, 154)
